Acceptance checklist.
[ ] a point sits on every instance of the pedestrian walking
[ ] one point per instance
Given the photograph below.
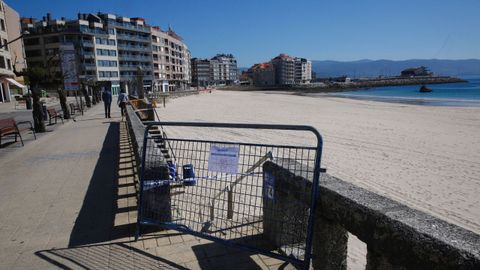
(122, 102)
(107, 101)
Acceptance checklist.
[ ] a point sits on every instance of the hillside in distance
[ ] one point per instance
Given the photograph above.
(373, 68)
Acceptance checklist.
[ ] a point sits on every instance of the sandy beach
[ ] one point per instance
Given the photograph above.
(425, 157)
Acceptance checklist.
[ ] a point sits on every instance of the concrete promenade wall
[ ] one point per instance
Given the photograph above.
(156, 201)
(162, 98)
(397, 237)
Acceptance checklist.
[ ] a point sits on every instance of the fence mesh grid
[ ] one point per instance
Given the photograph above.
(244, 207)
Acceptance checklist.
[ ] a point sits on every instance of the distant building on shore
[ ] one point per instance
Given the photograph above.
(111, 48)
(200, 72)
(10, 55)
(220, 69)
(413, 72)
(303, 70)
(263, 74)
(284, 67)
(281, 70)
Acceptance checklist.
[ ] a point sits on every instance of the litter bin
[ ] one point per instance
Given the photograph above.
(44, 110)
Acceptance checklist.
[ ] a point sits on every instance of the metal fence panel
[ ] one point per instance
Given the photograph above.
(254, 195)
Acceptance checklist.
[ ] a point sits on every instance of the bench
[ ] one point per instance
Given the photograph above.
(74, 108)
(20, 101)
(52, 113)
(9, 126)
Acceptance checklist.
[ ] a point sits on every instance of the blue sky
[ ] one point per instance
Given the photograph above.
(256, 30)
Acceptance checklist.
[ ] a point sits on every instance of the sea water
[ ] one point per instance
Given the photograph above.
(451, 94)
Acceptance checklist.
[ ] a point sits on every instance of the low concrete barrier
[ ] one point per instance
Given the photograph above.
(162, 98)
(397, 237)
(156, 201)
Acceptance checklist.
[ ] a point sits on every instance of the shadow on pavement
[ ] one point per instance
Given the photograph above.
(218, 256)
(105, 256)
(95, 222)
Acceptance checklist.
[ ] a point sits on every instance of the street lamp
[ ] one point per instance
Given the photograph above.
(13, 40)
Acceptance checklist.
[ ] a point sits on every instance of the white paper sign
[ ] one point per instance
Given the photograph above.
(223, 159)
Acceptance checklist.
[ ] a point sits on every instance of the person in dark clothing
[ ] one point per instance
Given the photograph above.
(107, 102)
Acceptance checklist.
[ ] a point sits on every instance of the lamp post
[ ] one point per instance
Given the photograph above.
(13, 40)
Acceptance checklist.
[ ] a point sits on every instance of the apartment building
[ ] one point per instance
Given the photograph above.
(263, 74)
(284, 66)
(303, 70)
(112, 49)
(11, 54)
(171, 61)
(281, 70)
(200, 72)
(222, 69)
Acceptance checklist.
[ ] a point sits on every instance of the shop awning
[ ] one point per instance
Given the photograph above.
(12, 81)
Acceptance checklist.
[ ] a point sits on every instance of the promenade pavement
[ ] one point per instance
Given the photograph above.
(68, 201)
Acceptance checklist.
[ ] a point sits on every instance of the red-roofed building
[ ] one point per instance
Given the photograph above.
(263, 74)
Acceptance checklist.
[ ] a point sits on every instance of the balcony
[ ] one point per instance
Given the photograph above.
(87, 55)
(93, 31)
(87, 43)
(133, 38)
(134, 67)
(130, 26)
(134, 57)
(88, 66)
(134, 48)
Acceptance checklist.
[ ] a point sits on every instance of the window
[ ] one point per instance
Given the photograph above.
(111, 42)
(106, 52)
(2, 26)
(51, 51)
(31, 41)
(108, 74)
(111, 31)
(2, 62)
(53, 39)
(5, 44)
(98, 40)
(33, 53)
(107, 63)
(9, 64)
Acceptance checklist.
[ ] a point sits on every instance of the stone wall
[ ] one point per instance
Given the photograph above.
(156, 200)
(397, 237)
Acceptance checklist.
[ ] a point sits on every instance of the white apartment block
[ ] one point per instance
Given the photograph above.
(113, 49)
(303, 70)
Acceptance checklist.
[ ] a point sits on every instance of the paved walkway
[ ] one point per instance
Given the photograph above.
(67, 200)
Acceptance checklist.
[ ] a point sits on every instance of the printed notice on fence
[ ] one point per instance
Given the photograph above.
(223, 159)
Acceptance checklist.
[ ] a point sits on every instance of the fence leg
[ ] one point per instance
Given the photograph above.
(229, 204)
(329, 245)
(212, 211)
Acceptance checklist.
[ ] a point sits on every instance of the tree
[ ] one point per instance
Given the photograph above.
(63, 103)
(38, 76)
(35, 76)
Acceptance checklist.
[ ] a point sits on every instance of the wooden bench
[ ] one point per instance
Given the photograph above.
(9, 127)
(74, 108)
(52, 113)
